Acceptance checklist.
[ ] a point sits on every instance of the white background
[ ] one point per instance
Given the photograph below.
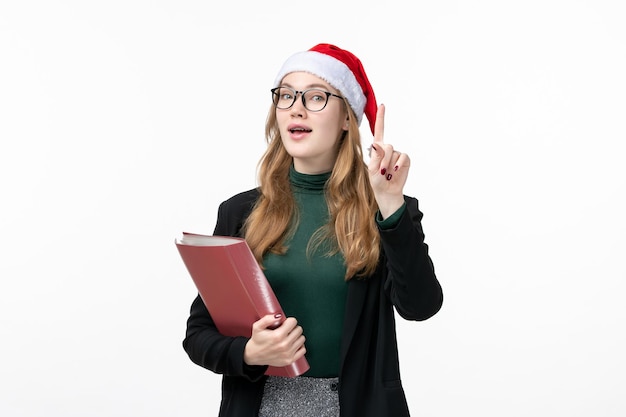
(123, 123)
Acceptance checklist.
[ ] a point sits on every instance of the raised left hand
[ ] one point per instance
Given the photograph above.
(388, 169)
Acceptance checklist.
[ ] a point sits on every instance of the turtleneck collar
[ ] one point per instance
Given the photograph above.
(308, 182)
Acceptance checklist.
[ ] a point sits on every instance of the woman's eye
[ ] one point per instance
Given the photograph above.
(316, 96)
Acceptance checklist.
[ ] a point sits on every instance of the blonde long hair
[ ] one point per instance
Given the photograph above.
(351, 229)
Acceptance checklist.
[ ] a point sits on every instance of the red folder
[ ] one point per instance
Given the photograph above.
(233, 287)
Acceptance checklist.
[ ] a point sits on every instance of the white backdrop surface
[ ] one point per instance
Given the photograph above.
(123, 123)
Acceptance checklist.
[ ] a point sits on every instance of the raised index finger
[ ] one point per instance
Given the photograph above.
(379, 126)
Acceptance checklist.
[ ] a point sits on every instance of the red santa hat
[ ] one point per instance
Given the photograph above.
(341, 69)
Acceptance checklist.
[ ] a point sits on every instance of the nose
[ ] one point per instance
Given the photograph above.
(298, 109)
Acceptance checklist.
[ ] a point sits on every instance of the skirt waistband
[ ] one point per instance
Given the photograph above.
(291, 397)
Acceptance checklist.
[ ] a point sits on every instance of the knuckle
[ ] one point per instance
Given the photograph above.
(283, 346)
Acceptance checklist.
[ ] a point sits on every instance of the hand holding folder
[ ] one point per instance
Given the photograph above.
(233, 287)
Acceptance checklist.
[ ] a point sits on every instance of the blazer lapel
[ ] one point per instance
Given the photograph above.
(357, 292)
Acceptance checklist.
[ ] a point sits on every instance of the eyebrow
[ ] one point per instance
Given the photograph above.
(321, 86)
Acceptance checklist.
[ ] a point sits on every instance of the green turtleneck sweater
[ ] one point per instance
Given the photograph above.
(312, 287)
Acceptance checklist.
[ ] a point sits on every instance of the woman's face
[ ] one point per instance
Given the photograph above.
(311, 138)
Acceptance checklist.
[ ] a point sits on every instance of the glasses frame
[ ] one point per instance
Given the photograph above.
(302, 93)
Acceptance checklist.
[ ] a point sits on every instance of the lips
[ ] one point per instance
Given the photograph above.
(299, 130)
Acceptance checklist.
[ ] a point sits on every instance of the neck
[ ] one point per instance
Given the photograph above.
(312, 167)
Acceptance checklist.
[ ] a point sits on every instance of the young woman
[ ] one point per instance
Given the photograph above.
(341, 245)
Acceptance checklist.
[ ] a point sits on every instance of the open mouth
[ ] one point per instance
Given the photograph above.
(299, 129)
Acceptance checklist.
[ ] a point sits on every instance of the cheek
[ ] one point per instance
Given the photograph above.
(280, 118)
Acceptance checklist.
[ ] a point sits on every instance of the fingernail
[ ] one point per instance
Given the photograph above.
(383, 171)
(277, 316)
(396, 168)
(389, 177)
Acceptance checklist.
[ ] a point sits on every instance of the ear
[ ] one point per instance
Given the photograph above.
(346, 124)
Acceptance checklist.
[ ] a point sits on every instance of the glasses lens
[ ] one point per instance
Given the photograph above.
(315, 99)
(283, 97)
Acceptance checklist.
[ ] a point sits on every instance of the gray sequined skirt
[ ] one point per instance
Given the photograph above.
(300, 397)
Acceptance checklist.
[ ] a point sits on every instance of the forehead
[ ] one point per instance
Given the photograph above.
(301, 80)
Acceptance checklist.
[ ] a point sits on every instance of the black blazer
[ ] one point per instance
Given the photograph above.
(369, 376)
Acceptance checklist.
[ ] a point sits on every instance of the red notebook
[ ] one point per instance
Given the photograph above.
(233, 287)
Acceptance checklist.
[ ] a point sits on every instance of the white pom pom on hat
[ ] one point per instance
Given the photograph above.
(341, 69)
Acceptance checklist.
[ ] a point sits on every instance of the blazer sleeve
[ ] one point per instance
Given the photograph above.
(204, 344)
(411, 283)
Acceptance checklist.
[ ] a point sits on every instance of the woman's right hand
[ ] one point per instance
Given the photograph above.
(274, 346)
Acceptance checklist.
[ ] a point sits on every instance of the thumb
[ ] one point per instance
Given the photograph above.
(270, 321)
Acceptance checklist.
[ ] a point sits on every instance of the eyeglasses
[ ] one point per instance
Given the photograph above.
(312, 99)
